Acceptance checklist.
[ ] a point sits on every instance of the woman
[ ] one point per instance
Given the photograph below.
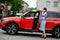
(43, 22)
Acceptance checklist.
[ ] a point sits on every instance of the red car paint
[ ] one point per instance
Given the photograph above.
(27, 22)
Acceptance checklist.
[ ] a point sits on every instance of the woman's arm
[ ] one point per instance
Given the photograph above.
(44, 14)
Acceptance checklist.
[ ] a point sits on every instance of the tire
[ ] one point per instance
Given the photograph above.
(56, 32)
(12, 28)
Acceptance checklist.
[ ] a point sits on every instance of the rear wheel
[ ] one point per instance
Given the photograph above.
(56, 32)
(11, 28)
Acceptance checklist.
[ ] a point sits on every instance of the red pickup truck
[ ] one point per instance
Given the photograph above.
(31, 22)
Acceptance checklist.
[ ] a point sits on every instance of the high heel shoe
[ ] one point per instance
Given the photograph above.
(44, 36)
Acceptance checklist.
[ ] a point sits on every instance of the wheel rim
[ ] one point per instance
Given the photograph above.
(57, 32)
(11, 29)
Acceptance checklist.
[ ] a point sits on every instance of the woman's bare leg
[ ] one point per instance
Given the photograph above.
(44, 34)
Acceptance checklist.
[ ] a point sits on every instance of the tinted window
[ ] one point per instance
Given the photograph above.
(27, 15)
(58, 15)
(30, 14)
(51, 15)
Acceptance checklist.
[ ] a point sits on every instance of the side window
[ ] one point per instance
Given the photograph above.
(30, 14)
(27, 15)
(51, 15)
(58, 15)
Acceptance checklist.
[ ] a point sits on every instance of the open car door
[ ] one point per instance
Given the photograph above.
(28, 20)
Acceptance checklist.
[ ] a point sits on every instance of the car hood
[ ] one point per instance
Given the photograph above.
(12, 18)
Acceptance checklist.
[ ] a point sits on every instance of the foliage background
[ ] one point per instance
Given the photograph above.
(16, 4)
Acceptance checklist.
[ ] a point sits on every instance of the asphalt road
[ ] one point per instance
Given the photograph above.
(25, 36)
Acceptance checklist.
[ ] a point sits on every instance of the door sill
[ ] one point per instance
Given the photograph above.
(26, 30)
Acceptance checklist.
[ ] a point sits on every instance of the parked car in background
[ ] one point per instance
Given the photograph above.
(31, 22)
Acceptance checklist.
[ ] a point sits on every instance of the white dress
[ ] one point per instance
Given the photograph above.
(43, 21)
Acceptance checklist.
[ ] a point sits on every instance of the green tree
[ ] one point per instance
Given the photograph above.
(16, 4)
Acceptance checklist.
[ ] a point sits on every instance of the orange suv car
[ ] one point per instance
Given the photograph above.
(31, 22)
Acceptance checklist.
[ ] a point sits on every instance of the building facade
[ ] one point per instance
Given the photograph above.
(49, 4)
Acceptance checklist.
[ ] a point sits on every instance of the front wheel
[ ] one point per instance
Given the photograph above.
(11, 28)
(56, 32)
